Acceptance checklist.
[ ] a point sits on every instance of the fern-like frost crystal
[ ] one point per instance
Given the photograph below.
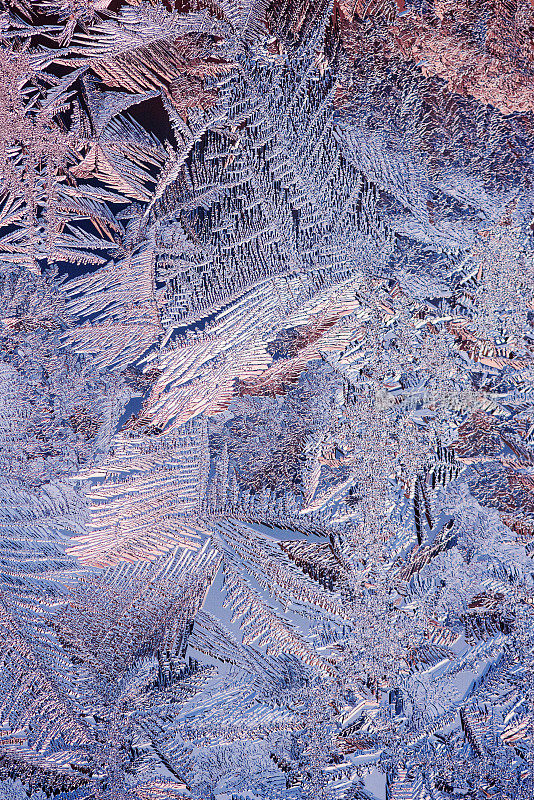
(266, 400)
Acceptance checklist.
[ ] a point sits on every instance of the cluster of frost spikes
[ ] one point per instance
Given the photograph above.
(266, 400)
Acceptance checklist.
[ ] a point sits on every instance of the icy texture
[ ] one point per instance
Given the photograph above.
(266, 400)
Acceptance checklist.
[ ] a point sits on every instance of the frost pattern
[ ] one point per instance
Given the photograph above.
(266, 400)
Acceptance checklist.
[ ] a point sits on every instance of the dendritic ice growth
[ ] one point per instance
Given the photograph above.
(267, 400)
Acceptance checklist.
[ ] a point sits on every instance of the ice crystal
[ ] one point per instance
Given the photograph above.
(266, 400)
